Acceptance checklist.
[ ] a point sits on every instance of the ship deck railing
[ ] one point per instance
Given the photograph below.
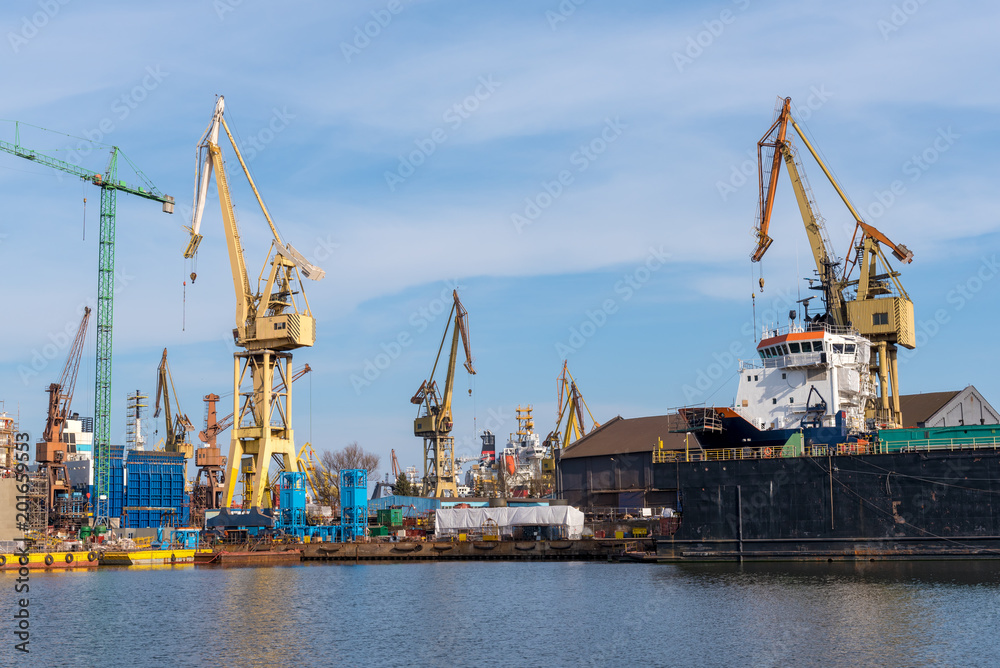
(789, 360)
(663, 456)
(768, 332)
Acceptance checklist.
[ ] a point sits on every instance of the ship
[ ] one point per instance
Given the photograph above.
(794, 470)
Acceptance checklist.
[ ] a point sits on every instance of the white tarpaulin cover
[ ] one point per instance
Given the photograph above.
(451, 520)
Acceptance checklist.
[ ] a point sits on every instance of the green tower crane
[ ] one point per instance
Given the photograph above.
(110, 186)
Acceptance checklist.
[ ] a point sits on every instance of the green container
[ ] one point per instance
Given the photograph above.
(378, 531)
(392, 517)
(85, 532)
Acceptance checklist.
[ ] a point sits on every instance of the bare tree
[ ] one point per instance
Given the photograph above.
(351, 457)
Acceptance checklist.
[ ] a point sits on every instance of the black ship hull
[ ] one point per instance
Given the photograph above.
(934, 504)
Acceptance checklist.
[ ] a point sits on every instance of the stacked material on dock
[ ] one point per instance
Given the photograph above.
(452, 521)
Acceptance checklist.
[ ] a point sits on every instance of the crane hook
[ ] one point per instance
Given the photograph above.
(760, 280)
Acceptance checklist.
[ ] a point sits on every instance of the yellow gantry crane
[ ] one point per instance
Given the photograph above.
(879, 308)
(571, 407)
(178, 424)
(271, 321)
(435, 423)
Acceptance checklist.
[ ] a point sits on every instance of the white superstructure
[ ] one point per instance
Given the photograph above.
(805, 377)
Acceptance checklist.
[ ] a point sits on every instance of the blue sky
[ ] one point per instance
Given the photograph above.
(562, 163)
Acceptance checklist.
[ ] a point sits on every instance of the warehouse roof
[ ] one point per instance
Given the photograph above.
(620, 435)
(918, 408)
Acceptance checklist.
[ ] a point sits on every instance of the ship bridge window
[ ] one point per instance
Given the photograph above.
(817, 346)
(849, 348)
(761, 353)
(838, 347)
(794, 347)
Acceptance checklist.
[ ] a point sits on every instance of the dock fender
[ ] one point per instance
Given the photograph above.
(48, 559)
(560, 547)
(69, 557)
(3, 559)
(173, 557)
(529, 546)
(91, 556)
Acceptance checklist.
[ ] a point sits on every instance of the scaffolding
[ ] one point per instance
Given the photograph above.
(135, 428)
(8, 428)
(36, 528)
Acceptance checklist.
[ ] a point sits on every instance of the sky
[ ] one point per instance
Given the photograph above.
(583, 173)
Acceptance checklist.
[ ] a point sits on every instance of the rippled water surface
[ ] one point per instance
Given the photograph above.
(521, 614)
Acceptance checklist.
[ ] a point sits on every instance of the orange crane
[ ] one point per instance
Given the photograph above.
(875, 303)
(50, 452)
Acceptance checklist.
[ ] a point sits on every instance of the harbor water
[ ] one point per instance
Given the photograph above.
(513, 614)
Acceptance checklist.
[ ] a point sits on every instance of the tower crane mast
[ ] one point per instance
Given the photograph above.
(436, 422)
(110, 186)
(271, 321)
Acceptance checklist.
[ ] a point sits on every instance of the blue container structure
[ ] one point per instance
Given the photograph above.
(353, 503)
(291, 500)
(290, 515)
(154, 495)
(116, 482)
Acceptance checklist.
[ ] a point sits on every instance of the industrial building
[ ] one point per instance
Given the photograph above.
(612, 466)
(947, 409)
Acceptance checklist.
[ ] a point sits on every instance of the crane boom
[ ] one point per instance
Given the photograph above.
(178, 424)
(50, 452)
(436, 422)
(110, 185)
(269, 322)
(61, 393)
(880, 309)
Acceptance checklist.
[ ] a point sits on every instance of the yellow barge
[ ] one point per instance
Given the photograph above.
(11, 561)
(147, 556)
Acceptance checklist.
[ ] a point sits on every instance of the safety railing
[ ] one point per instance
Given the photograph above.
(840, 449)
(766, 452)
(932, 444)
